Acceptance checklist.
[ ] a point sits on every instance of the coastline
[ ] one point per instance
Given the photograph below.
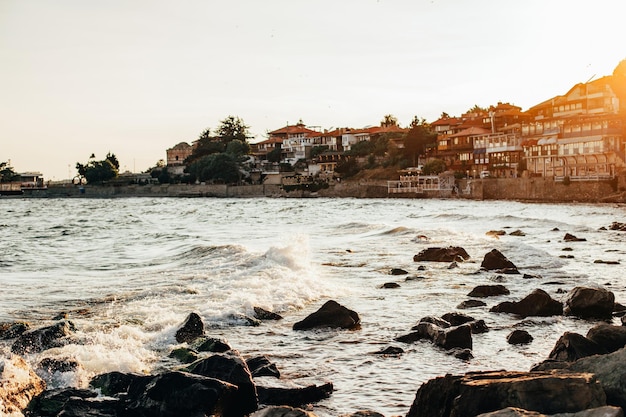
(539, 190)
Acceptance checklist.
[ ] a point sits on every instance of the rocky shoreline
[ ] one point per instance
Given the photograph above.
(583, 376)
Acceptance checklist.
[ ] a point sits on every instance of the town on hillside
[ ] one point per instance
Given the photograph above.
(577, 136)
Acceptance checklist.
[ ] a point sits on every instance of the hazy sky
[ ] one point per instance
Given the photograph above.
(136, 77)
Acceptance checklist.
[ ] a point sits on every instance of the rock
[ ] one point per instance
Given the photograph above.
(517, 233)
(282, 411)
(571, 238)
(600, 261)
(18, 385)
(53, 402)
(519, 337)
(331, 314)
(609, 337)
(230, 367)
(450, 338)
(261, 366)
(389, 350)
(463, 354)
(434, 320)
(478, 326)
(483, 291)
(363, 413)
(610, 370)
(471, 304)
(449, 254)
(453, 265)
(42, 339)
(410, 338)
(537, 303)
(244, 320)
(481, 392)
(573, 346)
(496, 233)
(398, 271)
(192, 328)
(184, 355)
(113, 383)
(390, 285)
(495, 260)
(12, 330)
(606, 411)
(52, 365)
(263, 314)
(456, 319)
(294, 396)
(618, 226)
(182, 394)
(585, 302)
(210, 344)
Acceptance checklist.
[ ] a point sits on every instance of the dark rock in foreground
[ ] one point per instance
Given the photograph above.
(587, 302)
(282, 411)
(481, 392)
(331, 314)
(262, 366)
(537, 303)
(449, 254)
(606, 411)
(519, 337)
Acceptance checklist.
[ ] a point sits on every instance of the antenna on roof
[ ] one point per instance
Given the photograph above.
(591, 78)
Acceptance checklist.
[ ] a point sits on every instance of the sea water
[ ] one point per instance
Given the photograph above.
(128, 271)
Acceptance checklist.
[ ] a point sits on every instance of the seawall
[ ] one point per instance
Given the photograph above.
(519, 189)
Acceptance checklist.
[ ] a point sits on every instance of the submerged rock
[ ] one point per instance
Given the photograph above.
(294, 397)
(449, 254)
(12, 330)
(483, 291)
(571, 238)
(537, 303)
(471, 304)
(519, 337)
(282, 411)
(262, 366)
(332, 315)
(263, 314)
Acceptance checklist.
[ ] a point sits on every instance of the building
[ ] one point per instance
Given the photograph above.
(176, 158)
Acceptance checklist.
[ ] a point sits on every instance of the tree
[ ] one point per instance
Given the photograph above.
(98, 171)
(233, 128)
(434, 167)
(418, 138)
(389, 120)
(237, 148)
(274, 155)
(216, 167)
(7, 174)
(113, 160)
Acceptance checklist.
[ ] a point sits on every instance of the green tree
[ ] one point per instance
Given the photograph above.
(238, 148)
(434, 167)
(113, 160)
(389, 120)
(216, 167)
(233, 128)
(418, 138)
(274, 155)
(97, 172)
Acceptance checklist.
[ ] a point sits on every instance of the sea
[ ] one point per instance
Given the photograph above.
(128, 271)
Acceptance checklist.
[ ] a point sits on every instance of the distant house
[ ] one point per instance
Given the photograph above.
(31, 180)
(580, 135)
(296, 141)
(176, 158)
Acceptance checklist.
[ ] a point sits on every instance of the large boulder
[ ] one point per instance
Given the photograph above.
(11, 330)
(573, 346)
(42, 339)
(331, 314)
(482, 291)
(182, 394)
(588, 302)
(192, 328)
(262, 366)
(448, 254)
(18, 385)
(447, 338)
(232, 368)
(73, 402)
(537, 303)
(609, 337)
(495, 260)
(606, 411)
(610, 370)
(481, 392)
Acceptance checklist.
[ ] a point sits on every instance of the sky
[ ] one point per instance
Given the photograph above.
(136, 77)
